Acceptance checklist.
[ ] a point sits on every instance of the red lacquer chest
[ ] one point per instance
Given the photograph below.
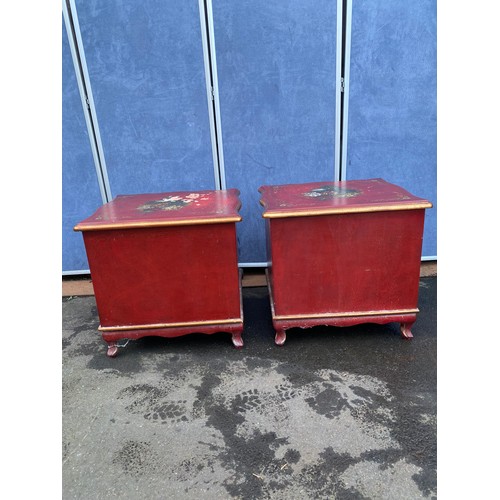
(343, 253)
(165, 264)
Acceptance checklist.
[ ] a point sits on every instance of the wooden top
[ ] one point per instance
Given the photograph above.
(165, 209)
(322, 198)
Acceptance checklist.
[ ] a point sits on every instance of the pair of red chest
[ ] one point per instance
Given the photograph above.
(340, 253)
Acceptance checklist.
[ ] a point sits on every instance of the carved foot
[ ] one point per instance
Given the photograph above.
(237, 340)
(406, 330)
(280, 337)
(112, 350)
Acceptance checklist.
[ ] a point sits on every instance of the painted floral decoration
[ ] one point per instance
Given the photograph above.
(328, 192)
(173, 202)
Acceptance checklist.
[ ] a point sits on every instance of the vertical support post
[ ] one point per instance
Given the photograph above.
(212, 85)
(338, 91)
(347, 29)
(82, 77)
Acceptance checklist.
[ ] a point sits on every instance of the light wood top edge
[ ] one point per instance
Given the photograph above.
(275, 214)
(164, 223)
(96, 226)
(153, 326)
(350, 314)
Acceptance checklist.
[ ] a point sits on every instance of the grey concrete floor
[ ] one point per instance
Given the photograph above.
(346, 413)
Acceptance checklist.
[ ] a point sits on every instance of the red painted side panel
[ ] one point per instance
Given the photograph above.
(165, 274)
(346, 262)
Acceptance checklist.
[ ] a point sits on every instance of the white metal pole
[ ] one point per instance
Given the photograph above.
(347, 75)
(84, 87)
(212, 85)
(210, 97)
(338, 91)
(215, 83)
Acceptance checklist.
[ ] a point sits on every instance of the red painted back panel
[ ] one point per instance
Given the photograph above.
(347, 262)
(164, 275)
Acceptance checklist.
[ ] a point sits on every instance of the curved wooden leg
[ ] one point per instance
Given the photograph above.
(112, 349)
(280, 337)
(237, 340)
(406, 330)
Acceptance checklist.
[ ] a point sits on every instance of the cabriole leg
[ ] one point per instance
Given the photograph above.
(237, 340)
(280, 337)
(406, 330)
(112, 349)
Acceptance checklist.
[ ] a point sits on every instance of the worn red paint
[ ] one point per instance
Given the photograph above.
(343, 253)
(165, 264)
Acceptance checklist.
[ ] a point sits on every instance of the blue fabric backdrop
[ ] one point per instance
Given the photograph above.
(276, 67)
(80, 189)
(145, 64)
(392, 105)
(277, 71)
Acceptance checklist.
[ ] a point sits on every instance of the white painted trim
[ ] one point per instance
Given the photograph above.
(253, 264)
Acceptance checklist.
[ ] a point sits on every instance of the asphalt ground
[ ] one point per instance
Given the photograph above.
(344, 413)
